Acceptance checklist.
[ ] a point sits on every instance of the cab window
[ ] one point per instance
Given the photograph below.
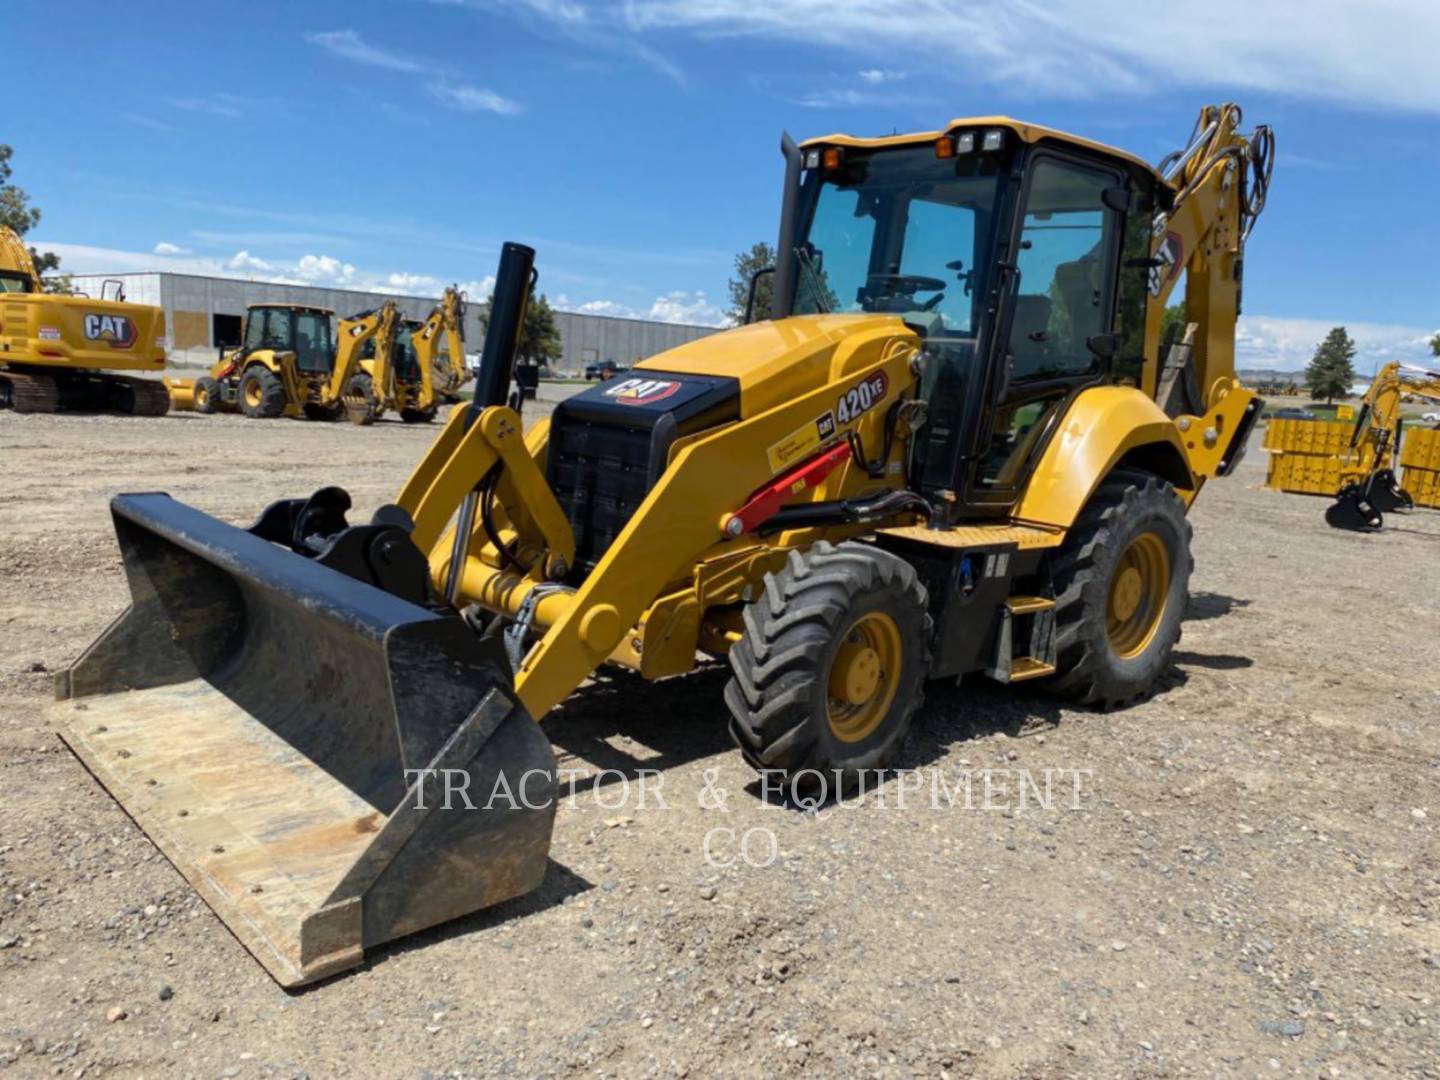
(1064, 269)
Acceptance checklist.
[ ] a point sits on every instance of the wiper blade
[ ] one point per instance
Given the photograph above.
(802, 252)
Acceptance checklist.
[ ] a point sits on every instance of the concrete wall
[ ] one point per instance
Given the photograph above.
(191, 301)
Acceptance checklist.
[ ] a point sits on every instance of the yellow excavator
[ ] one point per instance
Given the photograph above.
(288, 364)
(955, 447)
(1370, 489)
(63, 352)
(412, 376)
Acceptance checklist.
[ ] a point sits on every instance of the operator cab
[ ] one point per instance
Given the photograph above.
(306, 332)
(13, 282)
(1019, 256)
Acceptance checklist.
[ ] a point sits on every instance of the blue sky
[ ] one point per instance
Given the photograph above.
(396, 144)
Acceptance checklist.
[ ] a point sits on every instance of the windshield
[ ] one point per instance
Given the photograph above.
(14, 283)
(313, 349)
(900, 231)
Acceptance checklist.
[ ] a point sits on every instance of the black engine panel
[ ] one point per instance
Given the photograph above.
(609, 445)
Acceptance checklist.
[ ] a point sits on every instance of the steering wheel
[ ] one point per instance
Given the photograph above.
(908, 284)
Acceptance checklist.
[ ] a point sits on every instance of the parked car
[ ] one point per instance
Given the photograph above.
(1430, 418)
(604, 369)
(1294, 414)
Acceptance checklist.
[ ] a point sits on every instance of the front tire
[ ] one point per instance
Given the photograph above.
(206, 394)
(262, 394)
(830, 668)
(361, 405)
(1122, 582)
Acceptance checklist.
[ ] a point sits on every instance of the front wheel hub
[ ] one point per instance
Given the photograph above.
(863, 677)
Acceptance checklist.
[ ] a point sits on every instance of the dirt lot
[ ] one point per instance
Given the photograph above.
(1247, 882)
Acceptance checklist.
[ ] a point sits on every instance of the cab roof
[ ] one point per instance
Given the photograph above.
(1030, 133)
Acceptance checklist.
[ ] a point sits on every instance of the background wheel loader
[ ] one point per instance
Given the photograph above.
(291, 363)
(61, 352)
(954, 448)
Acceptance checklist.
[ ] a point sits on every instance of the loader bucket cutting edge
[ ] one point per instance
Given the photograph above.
(259, 716)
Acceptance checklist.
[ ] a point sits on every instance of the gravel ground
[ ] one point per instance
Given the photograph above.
(1238, 877)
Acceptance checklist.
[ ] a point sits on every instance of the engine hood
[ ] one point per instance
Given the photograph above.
(774, 360)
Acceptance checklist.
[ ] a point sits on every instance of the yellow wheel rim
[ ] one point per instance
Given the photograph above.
(1138, 594)
(252, 393)
(864, 677)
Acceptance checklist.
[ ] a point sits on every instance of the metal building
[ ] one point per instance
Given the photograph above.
(203, 313)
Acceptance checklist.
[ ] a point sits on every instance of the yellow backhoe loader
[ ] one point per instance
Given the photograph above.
(288, 364)
(953, 448)
(62, 352)
(1370, 489)
(412, 377)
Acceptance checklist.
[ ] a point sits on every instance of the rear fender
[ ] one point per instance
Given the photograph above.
(1106, 427)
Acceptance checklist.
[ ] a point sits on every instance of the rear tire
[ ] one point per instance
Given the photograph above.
(830, 668)
(206, 394)
(1122, 582)
(361, 405)
(262, 394)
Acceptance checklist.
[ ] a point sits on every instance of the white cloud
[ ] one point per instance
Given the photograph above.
(468, 98)
(1264, 341)
(324, 270)
(164, 247)
(844, 97)
(349, 45)
(876, 76)
(674, 307)
(226, 105)
(146, 121)
(1379, 54)
(243, 260)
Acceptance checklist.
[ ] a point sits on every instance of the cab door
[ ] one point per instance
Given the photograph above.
(1056, 319)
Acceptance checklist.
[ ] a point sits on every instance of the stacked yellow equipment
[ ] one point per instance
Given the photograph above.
(1308, 457)
(1420, 458)
(59, 352)
(953, 448)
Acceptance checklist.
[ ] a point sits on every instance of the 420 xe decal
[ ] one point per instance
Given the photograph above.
(861, 397)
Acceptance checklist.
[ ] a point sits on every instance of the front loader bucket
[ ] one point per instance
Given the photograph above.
(182, 393)
(272, 724)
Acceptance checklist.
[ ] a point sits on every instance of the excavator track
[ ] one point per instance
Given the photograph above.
(39, 392)
(25, 393)
(148, 397)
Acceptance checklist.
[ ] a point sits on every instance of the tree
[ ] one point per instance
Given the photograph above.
(1435, 344)
(16, 212)
(540, 341)
(1174, 313)
(759, 257)
(1331, 373)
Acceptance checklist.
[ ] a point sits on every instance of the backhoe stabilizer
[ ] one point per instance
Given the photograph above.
(330, 766)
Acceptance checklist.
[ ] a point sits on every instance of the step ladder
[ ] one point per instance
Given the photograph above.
(1026, 623)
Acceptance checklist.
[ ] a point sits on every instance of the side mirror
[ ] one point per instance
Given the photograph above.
(754, 284)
